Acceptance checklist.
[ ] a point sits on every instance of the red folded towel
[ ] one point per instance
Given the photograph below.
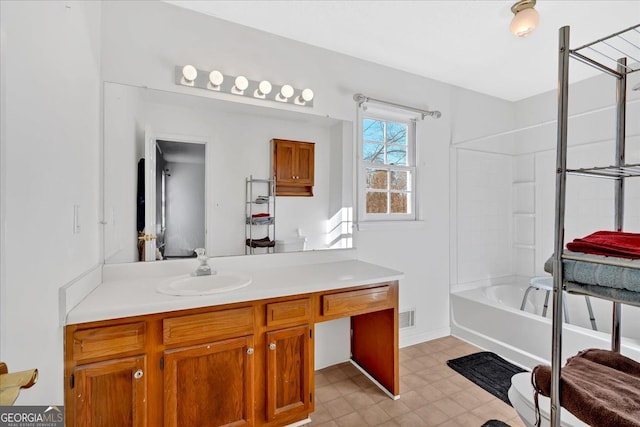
(609, 243)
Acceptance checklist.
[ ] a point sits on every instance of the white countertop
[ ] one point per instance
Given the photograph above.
(125, 297)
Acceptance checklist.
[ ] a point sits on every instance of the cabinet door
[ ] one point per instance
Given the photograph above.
(288, 372)
(111, 393)
(304, 164)
(284, 167)
(209, 384)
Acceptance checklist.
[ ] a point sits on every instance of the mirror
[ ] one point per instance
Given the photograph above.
(226, 142)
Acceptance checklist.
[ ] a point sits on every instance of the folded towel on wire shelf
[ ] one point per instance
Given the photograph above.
(264, 242)
(599, 387)
(608, 243)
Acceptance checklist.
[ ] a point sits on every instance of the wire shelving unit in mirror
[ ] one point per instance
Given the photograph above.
(260, 215)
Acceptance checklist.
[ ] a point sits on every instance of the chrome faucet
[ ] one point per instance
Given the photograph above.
(203, 269)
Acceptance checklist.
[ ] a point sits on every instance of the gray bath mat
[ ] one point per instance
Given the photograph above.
(488, 370)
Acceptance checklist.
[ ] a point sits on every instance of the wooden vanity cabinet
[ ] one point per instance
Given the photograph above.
(293, 167)
(210, 384)
(289, 359)
(107, 378)
(375, 332)
(288, 372)
(111, 393)
(243, 364)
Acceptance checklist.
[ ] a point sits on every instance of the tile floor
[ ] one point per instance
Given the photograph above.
(431, 393)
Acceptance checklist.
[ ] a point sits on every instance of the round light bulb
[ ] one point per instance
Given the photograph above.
(241, 83)
(189, 73)
(307, 95)
(216, 78)
(265, 87)
(286, 91)
(524, 22)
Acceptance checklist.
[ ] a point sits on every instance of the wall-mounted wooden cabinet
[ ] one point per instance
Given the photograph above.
(293, 167)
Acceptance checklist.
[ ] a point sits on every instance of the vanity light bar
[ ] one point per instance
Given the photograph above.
(215, 81)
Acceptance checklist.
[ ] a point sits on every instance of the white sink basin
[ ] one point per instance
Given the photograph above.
(203, 285)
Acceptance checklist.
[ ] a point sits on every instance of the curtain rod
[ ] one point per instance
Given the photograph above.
(361, 99)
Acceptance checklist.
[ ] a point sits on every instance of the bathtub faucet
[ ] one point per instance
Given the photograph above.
(203, 269)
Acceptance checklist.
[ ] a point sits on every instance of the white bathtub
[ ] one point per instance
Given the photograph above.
(490, 317)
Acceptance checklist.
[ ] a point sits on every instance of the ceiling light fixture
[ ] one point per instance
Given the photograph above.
(525, 18)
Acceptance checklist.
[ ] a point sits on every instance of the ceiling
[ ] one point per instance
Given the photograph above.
(463, 43)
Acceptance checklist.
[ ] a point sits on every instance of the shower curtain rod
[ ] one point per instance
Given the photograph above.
(361, 99)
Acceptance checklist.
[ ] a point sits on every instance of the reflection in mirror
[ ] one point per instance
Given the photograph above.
(180, 179)
(228, 142)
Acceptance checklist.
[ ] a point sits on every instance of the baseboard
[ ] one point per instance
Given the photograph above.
(407, 340)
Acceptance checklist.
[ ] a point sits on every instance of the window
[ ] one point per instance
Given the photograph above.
(387, 170)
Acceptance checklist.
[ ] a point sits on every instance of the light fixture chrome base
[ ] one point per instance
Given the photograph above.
(522, 5)
(252, 91)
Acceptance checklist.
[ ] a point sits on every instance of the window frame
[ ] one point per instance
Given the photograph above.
(363, 166)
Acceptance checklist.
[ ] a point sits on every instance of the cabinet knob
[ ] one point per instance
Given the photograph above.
(272, 346)
(250, 351)
(138, 374)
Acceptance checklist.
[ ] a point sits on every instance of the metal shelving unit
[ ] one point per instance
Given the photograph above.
(609, 55)
(260, 215)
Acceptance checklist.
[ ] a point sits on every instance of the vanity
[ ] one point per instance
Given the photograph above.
(138, 357)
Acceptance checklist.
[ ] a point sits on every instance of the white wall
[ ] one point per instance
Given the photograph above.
(483, 197)
(122, 128)
(51, 132)
(523, 214)
(481, 194)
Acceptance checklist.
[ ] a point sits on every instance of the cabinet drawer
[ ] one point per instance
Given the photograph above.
(288, 312)
(350, 303)
(108, 341)
(215, 325)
